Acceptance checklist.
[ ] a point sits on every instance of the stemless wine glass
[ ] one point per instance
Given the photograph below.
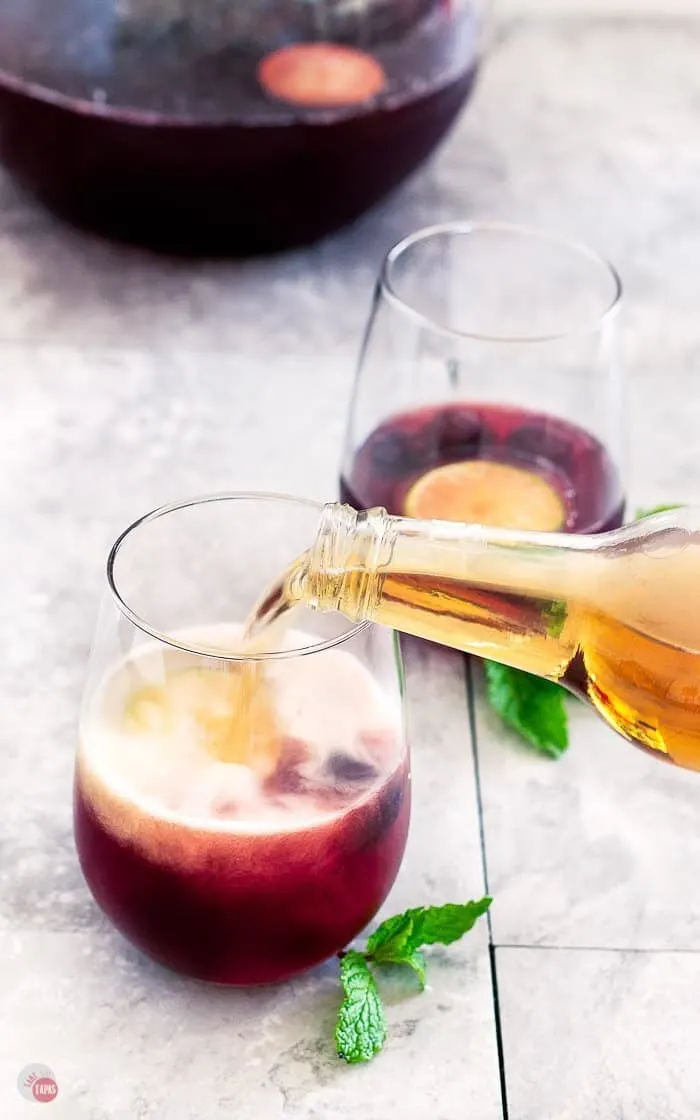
(240, 815)
(489, 383)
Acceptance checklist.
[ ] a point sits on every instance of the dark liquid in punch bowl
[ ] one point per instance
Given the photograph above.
(162, 134)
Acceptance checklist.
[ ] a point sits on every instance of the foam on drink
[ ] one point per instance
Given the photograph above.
(177, 751)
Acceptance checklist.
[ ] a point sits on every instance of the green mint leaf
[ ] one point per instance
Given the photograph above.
(394, 943)
(414, 958)
(360, 1029)
(425, 925)
(642, 513)
(441, 925)
(416, 961)
(390, 939)
(531, 706)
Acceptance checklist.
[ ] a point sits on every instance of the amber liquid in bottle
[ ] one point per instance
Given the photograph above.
(614, 617)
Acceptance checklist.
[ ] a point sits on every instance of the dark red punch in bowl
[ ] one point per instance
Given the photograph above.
(161, 134)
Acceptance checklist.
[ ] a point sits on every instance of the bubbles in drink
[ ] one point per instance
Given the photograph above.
(282, 741)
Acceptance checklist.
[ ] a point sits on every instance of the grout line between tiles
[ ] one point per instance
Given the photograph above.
(468, 681)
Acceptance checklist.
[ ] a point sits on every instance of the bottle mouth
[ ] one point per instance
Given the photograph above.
(130, 551)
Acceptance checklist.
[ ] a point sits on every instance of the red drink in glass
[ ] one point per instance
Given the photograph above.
(230, 870)
(404, 448)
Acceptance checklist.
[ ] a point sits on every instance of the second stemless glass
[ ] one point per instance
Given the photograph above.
(239, 816)
(490, 343)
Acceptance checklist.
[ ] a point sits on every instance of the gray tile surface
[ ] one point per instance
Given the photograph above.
(598, 849)
(128, 1041)
(600, 1036)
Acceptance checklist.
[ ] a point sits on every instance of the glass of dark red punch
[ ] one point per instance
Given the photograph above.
(241, 809)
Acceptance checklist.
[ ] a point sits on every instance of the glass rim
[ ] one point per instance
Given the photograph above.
(466, 227)
(189, 647)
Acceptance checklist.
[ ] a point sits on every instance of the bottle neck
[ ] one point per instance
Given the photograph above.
(353, 553)
(344, 561)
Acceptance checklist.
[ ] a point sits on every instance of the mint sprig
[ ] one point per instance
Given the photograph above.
(392, 939)
(441, 925)
(361, 1029)
(642, 513)
(531, 706)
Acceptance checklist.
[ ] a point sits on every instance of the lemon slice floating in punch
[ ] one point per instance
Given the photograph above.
(484, 492)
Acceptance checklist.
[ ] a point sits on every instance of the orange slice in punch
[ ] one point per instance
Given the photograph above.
(481, 491)
(321, 75)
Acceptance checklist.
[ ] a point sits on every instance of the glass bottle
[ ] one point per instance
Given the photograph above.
(614, 617)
